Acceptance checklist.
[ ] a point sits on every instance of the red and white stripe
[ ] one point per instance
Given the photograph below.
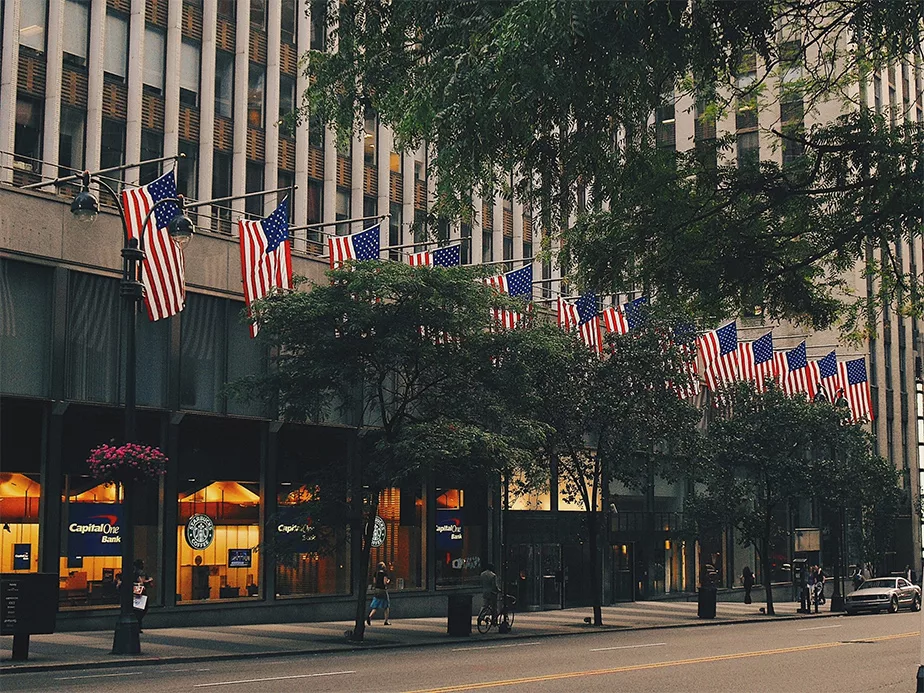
(721, 371)
(756, 373)
(829, 385)
(340, 249)
(858, 396)
(687, 386)
(261, 272)
(508, 319)
(568, 317)
(592, 334)
(615, 320)
(422, 259)
(797, 382)
(163, 270)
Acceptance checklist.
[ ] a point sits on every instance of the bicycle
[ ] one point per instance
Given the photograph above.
(488, 617)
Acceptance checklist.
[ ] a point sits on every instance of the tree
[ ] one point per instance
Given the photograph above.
(559, 93)
(768, 451)
(601, 416)
(399, 350)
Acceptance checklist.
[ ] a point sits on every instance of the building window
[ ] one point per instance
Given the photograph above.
(221, 188)
(256, 93)
(877, 93)
(190, 53)
(187, 170)
(465, 231)
(202, 364)
(286, 98)
(254, 205)
(396, 162)
(508, 248)
(33, 18)
(748, 149)
(402, 552)
(420, 171)
(21, 490)
(25, 330)
(342, 211)
(92, 338)
(461, 536)
(289, 21)
(28, 143)
(318, 25)
(370, 138)
(152, 147)
(487, 245)
(315, 208)
(315, 132)
(792, 118)
(155, 56)
(77, 37)
(258, 13)
(396, 215)
(71, 140)
(112, 146)
(370, 206)
(115, 57)
(286, 179)
(224, 83)
(665, 125)
(227, 9)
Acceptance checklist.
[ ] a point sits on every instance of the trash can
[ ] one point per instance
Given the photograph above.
(459, 620)
(705, 607)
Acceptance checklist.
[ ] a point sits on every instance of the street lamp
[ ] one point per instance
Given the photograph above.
(85, 209)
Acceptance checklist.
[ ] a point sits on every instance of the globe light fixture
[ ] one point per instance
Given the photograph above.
(85, 206)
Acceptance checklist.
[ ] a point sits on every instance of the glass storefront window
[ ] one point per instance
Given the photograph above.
(401, 547)
(217, 536)
(461, 536)
(19, 514)
(319, 562)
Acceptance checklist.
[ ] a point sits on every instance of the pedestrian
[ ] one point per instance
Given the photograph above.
(380, 598)
(908, 574)
(857, 577)
(490, 588)
(867, 571)
(820, 578)
(747, 578)
(140, 591)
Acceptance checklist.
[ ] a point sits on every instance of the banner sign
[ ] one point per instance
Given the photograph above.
(22, 556)
(93, 529)
(449, 530)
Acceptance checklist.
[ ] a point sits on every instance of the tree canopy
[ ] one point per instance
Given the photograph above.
(551, 98)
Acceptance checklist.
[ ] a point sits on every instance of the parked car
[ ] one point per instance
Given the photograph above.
(881, 594)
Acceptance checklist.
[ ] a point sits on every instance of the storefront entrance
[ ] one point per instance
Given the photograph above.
(536, 570)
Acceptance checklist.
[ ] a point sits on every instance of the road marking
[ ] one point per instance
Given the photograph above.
(655, 665)
(628, 647)
(494, 647)
(819, 627)
(98, 676)
(274, 678)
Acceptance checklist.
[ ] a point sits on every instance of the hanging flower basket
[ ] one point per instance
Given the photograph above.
(129, 462)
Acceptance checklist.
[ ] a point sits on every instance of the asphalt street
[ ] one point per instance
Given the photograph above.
(861, 653)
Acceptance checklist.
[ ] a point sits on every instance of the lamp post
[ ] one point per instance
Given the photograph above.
(85, 209)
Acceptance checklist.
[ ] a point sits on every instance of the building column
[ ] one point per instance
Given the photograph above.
(172, 77)
(95, 66)
(301, 136)
(50, 506)
(271, 116)
(170, 507)
(269, 504)
(53, 71)
(9, 73)
(239, 111)
(207, 108)
(135, 88)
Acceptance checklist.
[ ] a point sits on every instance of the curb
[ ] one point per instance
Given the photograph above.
(360, 647)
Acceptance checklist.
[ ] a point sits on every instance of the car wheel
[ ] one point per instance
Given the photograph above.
(893, 606)
(916, 603)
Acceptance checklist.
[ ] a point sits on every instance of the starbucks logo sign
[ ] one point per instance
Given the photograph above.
(200, 530)
(378, 532)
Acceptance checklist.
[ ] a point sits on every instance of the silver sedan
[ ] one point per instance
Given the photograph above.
(883, 594)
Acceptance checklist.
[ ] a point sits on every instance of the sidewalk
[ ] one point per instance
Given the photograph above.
(172, 645)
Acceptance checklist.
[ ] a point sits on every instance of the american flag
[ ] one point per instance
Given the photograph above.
(856, 389)
(719, 353)
(584, 316)
(792, 370)
(450, 256)
(621, 319)
(163, 271)
(823, 373)
(266, 256)
(756, 361)
(516, 283)
(358, 246)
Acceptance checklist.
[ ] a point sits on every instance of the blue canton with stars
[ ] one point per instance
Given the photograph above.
(635, 312)
(520, 282)
(586, 307)
(827, 367)
(728, 338)
(856, 372)
(449, 256)
(162, 188)
(684, 333)
(796, 358)
(763, 348)
(366, 244)
(276, 226)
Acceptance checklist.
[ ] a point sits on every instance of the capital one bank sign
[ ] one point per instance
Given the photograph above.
(94, 529)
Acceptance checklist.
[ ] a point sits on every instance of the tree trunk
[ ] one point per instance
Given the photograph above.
(595, 587)
(361, 574)
(765, 569)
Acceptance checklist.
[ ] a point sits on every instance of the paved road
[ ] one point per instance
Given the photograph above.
(865, 653)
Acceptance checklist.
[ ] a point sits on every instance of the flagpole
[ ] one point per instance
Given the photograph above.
(194, 205)
(96, 174)
(322, 224)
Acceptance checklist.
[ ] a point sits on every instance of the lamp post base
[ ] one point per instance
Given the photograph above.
(837, 603)
(127, 639)
(920, 688)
